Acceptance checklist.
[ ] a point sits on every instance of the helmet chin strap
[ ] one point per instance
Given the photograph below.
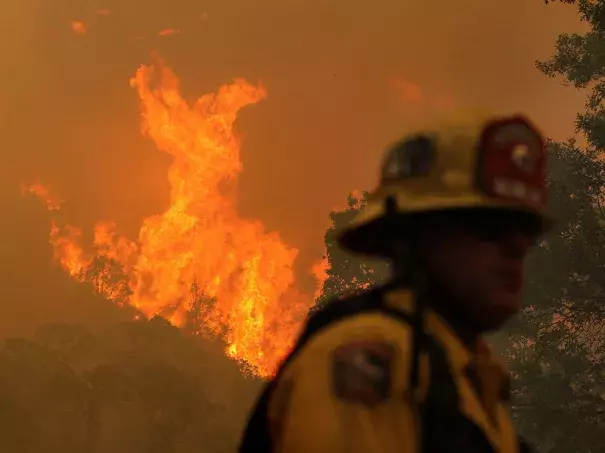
(408, 272)
(407, 266)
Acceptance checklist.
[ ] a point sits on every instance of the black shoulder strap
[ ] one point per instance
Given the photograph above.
(339, 309)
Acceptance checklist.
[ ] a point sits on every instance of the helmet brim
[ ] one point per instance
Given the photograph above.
(371, 231)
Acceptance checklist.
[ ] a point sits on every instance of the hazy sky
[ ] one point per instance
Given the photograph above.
(343, 80)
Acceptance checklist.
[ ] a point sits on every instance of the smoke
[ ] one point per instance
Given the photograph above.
(69, 117)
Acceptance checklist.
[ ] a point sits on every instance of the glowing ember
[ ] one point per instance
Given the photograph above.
(78, 27)
(407, 91)
(52, 203)
(320, 272)
(241, 276)
(168, 32)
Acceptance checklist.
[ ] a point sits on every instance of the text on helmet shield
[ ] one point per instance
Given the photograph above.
(512, 162)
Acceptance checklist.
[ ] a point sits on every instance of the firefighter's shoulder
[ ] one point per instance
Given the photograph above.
(346, 386)
(357, 349)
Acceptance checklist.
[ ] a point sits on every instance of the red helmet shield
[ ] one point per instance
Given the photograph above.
(512, 162)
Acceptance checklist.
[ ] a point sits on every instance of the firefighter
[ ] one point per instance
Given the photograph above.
(404, 367)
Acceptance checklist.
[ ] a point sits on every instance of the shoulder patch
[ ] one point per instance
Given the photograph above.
(362, 372)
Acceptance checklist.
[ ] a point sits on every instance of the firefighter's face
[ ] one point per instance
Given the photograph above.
(477, 258)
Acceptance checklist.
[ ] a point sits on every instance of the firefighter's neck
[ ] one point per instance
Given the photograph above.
(407, 275)
(441, 303)
(463, 327)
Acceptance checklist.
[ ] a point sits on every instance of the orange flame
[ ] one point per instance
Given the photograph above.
(407, 91)
(199, 241)
(78, 27)
(68, 252)
(169, 32)
(320, 272)
(43, 193)
(410, 92)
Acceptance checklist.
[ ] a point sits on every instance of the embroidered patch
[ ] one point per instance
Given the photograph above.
(362, 372)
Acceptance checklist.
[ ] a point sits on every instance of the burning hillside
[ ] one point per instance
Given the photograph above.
(199, 244)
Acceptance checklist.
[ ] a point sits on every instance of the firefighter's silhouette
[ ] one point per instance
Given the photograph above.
(404, 367)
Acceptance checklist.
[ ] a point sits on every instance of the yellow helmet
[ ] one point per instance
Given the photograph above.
(466, 162)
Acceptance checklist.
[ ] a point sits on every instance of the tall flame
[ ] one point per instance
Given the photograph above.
(199, 245)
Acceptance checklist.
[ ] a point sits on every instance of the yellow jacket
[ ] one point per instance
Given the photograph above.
(348, 390)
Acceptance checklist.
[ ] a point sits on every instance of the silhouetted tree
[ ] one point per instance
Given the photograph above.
(580, 60)
(348, 273)
(560, 394)
(108, 278)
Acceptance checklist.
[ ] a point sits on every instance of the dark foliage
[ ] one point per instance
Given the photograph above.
(142, 387)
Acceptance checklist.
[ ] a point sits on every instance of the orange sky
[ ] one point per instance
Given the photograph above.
(342, 82)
